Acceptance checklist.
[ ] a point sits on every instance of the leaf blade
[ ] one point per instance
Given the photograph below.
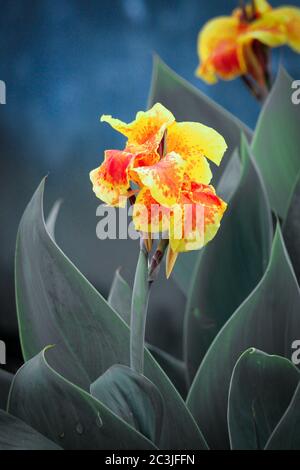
(261, 389)
(57, 305)
(245, 240)
(273, 306)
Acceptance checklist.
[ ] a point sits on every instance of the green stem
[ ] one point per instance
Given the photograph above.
(146, 273)
(139, 307)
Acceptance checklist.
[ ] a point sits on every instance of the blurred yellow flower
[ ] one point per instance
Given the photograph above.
(166, 164)
(229, 47)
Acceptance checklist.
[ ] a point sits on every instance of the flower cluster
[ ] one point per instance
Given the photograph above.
(229, 47)
(164, 171)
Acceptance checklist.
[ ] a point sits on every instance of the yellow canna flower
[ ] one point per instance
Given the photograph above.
(190, 143)
(168, 163)
(229, 47)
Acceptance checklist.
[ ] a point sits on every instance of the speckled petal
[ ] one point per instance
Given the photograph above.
(164, 179)
(192, 139)
(200, 212)
(111, 180)
(147, 128)
(148, 215)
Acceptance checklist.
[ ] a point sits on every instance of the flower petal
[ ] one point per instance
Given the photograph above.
(164, 179)
(276, 27)
(218, 50)
(147, 128)
(111, 180)
(197, 169)
(268, 30)
(290, 17)
(262, 7)
(192, 139)
(196, 219)
(148, 215)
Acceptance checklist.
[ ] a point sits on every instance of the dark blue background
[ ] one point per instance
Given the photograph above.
(66, 62)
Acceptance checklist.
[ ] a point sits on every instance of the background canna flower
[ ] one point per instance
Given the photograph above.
(229, 47)
(168, 163)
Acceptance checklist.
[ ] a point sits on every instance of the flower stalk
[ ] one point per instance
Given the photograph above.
(139, 308)
(146, 273)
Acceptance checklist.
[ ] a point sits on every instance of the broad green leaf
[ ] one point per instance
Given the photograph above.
(261, 389)
(187, 103)
(286, 435)
(269, 320)
(291, 230)
(276, 144)
(230, 178)
(119, 297)
(133, 398)
(52, 218)
(16, 435)
(230, 266)
(57, 305)
(174, 368)
(5, 383)
(66, 414)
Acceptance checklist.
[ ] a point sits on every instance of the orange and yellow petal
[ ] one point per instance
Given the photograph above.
(148, 215)
(262, 7)
(200, 212)
(290, 18)
(276, 27)
(218, 50)
(268, 30)
(146, 130)
(197, 169)
(192, 139)
(111, 180)
(164, 179)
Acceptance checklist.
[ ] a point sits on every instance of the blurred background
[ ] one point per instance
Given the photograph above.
(66, 62)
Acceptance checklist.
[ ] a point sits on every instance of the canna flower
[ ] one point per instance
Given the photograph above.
(165, 164)
(229, 47)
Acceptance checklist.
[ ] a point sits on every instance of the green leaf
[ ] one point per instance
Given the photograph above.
(187, 103)
(133, 398)
(57, 305)
(174, 368)
(291, 230)
(230, 266)
(119, 297)
(230, 178)
(16, 435)
(52, 218)
(65, 413)
(261, 389)
(269, 320)
(5, 383)
(286, 435)
(276, 144)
